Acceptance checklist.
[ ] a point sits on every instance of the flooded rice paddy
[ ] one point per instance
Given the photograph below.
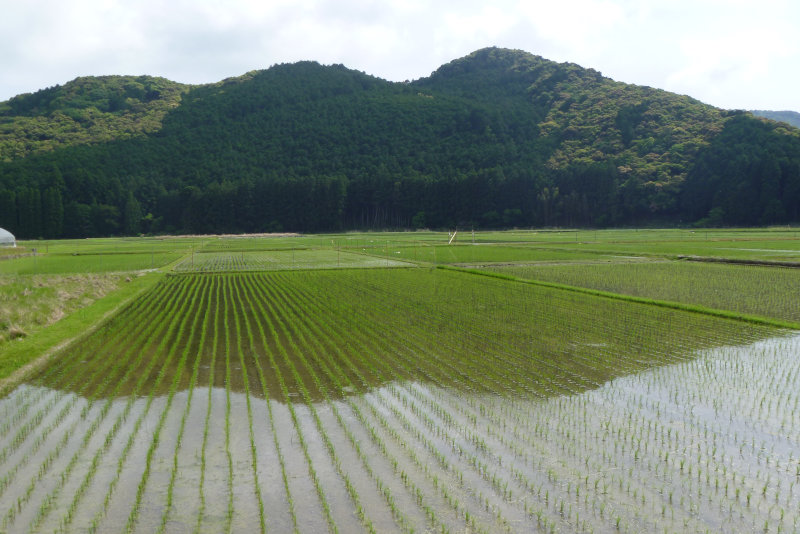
(404, 401)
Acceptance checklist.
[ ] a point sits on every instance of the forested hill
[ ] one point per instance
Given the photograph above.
(498, 138)
(789, 117)
(86, 110)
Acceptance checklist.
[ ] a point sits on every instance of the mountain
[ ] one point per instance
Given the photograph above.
(789, 117)
(83, 111)
(497, 138)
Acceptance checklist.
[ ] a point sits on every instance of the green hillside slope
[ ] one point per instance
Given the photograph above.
(789, 117)
(85, 110)
(498, 138)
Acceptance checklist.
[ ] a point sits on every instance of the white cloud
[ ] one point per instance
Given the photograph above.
(731, 53)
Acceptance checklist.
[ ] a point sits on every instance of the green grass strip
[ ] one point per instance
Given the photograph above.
(693, 308)
(20, 353)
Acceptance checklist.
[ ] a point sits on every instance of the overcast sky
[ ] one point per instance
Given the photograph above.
(729, 53)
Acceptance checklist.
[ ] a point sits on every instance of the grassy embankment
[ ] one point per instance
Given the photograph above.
(50, 299)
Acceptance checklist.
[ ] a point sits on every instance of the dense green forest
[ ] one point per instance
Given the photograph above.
(498, 138)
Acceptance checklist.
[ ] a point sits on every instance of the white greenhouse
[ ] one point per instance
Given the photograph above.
(7, 239)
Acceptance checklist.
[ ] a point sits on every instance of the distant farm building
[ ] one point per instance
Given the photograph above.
(7, 239)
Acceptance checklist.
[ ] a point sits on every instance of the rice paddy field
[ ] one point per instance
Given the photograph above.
(281, 260)
(768, 291)
(354, 383)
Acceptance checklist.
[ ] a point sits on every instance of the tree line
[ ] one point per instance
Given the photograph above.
(497, 139)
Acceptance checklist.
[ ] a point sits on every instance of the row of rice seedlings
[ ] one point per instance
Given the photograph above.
(305, 307)
(296, 333)
(55, 453)
(206, 424)
(271, 327)
(468, 338)
(123, 362)
(116, 364)
(233, 347)
(426, 443)
(457, 448)
(205, 306)
(637, 332)
(98, 454)
(198, 293)
(42, 438)
(382, 485)
(237, 298)
(165, 331)
(271, 419)
(635, 424)
(312, 340)
(226, 329)
(329, 446)
(265, 327)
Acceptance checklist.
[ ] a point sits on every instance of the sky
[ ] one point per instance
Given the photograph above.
(734, 54)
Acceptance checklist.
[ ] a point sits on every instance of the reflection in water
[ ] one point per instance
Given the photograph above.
(706, 444)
